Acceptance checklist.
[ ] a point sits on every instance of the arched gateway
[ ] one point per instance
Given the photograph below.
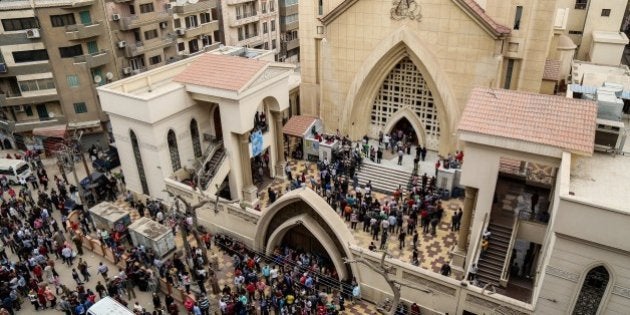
(302, 217)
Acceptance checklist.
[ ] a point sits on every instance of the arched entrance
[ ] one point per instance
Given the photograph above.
(218, 129)
(304, 213)
(7, 144)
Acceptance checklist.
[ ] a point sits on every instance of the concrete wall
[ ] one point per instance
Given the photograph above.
(596, 22)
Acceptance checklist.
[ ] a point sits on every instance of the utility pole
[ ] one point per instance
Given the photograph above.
(87, 170)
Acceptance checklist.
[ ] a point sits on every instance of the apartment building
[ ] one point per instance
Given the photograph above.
(196, 24)
(29, 95)
(289, 24)
(251, 23)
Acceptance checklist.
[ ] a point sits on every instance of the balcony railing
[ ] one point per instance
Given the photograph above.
(187, 8)
(245, 15)
(82, 3)
(207, 28)
(135, 21)
(292, 44)
(82, 31)
(92, 60)
(237, 2)
(13, 99)
(122, 1)
(138, 48)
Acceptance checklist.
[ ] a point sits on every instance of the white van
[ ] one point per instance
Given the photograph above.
(108, 306)
(14, 170)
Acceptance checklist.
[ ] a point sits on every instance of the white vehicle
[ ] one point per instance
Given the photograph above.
(108, 306)
(14, 170)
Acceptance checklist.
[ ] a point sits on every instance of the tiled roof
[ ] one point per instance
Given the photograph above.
(298, 125)
(481, 13)
(221, 71)
(556, 121)
(552, 70)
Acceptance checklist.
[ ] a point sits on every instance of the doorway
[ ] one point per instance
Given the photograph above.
(218, 129)
(404, 127)
(42, 111)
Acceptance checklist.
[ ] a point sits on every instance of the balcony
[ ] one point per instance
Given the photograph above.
(28, 125)
(19, 69)
(135, 21)
(289, 10)
(19, 99)
(3, 67)
(245, 18)
(237, 2)
(82, 31)
(203, 29)
(250, 41)
(201, 6)
(139, 48)
(289, 26)
(292, 44)
(122, 1)
(93, 60)
(81, 3)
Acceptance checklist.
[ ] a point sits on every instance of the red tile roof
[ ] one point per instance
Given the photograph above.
(556, 121)
(552, 70)
(221, 71)
(298, 125)
(475, 8)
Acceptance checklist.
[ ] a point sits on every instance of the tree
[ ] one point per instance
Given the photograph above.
(190, 210)
(394, 284)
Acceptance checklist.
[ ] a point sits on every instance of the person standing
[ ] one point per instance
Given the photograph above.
(401, 153)
(401, 239)
(446, 269)
(102, 269)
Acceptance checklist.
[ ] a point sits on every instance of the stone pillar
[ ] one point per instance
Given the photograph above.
(464, 229)
(459, 254)
(277, 116)
(250, 192)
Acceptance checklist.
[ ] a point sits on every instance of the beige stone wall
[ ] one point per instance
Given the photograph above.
(596, 22)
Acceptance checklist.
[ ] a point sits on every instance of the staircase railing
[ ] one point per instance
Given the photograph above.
(505, 274)
(477, 248)
(206, 157)
(208, 175)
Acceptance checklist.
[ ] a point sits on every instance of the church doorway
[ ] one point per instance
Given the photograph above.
(403, 129)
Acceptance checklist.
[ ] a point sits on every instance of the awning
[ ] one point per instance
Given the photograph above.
(298, 126)
(57, 131)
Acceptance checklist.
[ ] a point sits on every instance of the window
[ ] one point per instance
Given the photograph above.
(181, 46)
(320, 7)
(92, 47)
(581, 4)
(132, 9)
(273, 44)
(206, 40)
(19, 24)
(266, 47)
(264, 7)
(193, 46)
(28, 110)
(592, 292)
(271, 6)
(194, 134)
(139, 165)
(215, 13)
(155, 60)
(171, 140)
(146, 8)
(575, 32)
(62, 20)
(273, 25)
(80, 108)
(36, 85)
(151, 34)
(605, 12)
(191, 21)
(71, 51)
(509, 70)
(289, 19)
(205, 18)
(265, 30)
(73, 80)
(177, 23)
(30, 55)
(517, 17)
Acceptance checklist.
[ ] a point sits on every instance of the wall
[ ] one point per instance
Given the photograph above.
(596, 22)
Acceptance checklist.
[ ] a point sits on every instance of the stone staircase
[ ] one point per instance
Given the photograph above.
(384, 179)
(490, 265)
(211, 166)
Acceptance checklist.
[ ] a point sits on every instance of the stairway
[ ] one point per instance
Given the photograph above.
(490, 265)
(211, 166)
(384, 179)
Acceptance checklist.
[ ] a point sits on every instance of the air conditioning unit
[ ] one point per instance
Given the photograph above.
(168, 6)
(127, 70)
(3, 67)
(122, 44)
(163, 25)
(33, 33)
(180, 31)
(115, 16)
(18, 108)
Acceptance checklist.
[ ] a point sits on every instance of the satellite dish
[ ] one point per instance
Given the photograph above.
(193, 1)
(97, 79)
(51, 115)
(109, 75)
(181, 2)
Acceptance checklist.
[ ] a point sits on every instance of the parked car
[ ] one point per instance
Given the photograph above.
(107, 160)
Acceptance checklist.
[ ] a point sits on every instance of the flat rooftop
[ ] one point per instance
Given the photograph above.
(595, 75)
(602, 179)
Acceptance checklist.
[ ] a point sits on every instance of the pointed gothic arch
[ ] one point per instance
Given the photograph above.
(413, 119)
(386, 55)
(171, 140)
(139, 165)
(196, 141)
(592, 295)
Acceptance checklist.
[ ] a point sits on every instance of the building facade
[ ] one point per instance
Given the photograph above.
(289, 24)
(196, 25)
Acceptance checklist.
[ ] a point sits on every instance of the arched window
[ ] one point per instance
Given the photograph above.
(171, 139)
(592, 292)
(405, 87)
(139, 165)
(194, 134)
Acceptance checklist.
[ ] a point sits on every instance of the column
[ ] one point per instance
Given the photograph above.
(250, 192)
(277, 116)
(469, 204)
